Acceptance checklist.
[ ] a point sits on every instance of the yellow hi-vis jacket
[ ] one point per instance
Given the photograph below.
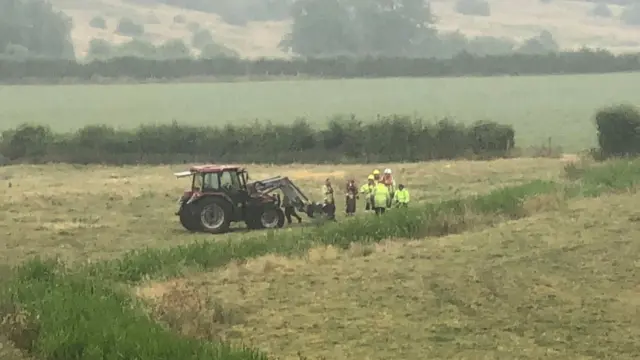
(381, 196)
(402, 196)
(366, 189)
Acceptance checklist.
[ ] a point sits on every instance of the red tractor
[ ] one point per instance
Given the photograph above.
(221, 194)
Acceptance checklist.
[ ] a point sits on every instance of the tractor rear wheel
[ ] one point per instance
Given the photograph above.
(214, 215)
(188, 219)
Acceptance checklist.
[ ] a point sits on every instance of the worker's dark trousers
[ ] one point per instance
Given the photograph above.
(290, 211)
(330, 210)
(380, 210)
(350, 207)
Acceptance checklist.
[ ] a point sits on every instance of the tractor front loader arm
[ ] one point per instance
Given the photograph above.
(299, 200)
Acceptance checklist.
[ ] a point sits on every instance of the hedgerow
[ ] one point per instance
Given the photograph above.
(393, 138)
(56, 313)
(584, 61)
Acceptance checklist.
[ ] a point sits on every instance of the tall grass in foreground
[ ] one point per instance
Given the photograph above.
(57, 313)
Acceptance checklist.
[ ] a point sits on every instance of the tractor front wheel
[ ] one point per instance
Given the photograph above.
(188, 219)
(214, 215)
(272, 218)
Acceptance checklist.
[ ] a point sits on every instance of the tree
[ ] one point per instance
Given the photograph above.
(36, 26)
(213, 50)
(99, 49)
(136, 48)
(320, 27)
(174, 49)
(128, 27)
(358, 27)
(201, 38)
(541, 44)
(98, 22)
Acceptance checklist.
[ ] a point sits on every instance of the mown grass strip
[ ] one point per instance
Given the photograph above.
(436, 219)
(56, 313)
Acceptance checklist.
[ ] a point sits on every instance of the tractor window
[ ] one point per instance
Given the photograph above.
(230, 180)
(197, 182)
(211, 181)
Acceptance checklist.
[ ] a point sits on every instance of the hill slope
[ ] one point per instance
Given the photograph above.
(569, 21)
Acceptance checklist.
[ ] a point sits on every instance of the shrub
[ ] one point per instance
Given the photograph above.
(491, 139)
(601, 10)
(128, 27)
(179, 19)
(473, 7)
(98, 22)
(618, 130)
(27, 142)
(392, 138)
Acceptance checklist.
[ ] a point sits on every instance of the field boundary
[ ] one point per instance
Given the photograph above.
(347, 140)
(585, 61)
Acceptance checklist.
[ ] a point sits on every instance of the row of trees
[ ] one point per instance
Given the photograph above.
(148, 69)
(344, 140)
(321, 28)
(390, 28)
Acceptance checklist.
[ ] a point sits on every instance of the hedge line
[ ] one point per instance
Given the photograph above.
(393, 138)
(57, 314)
(585, 61)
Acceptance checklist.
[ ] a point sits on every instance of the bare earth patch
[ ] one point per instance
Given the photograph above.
(562, 284)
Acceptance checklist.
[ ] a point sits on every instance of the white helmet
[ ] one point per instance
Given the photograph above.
(387, 171)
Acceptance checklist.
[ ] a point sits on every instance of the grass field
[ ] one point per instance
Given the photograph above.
(561, 107)
(561, 284)
(555, 275)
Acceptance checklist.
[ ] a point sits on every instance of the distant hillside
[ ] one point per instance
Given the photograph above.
(254, 28)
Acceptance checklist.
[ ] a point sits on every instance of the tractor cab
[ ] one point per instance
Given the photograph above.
(220, 195)
(216, 178)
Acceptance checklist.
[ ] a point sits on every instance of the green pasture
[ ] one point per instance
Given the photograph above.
(539, 107)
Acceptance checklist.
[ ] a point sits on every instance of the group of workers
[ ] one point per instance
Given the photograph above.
(380, 193)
